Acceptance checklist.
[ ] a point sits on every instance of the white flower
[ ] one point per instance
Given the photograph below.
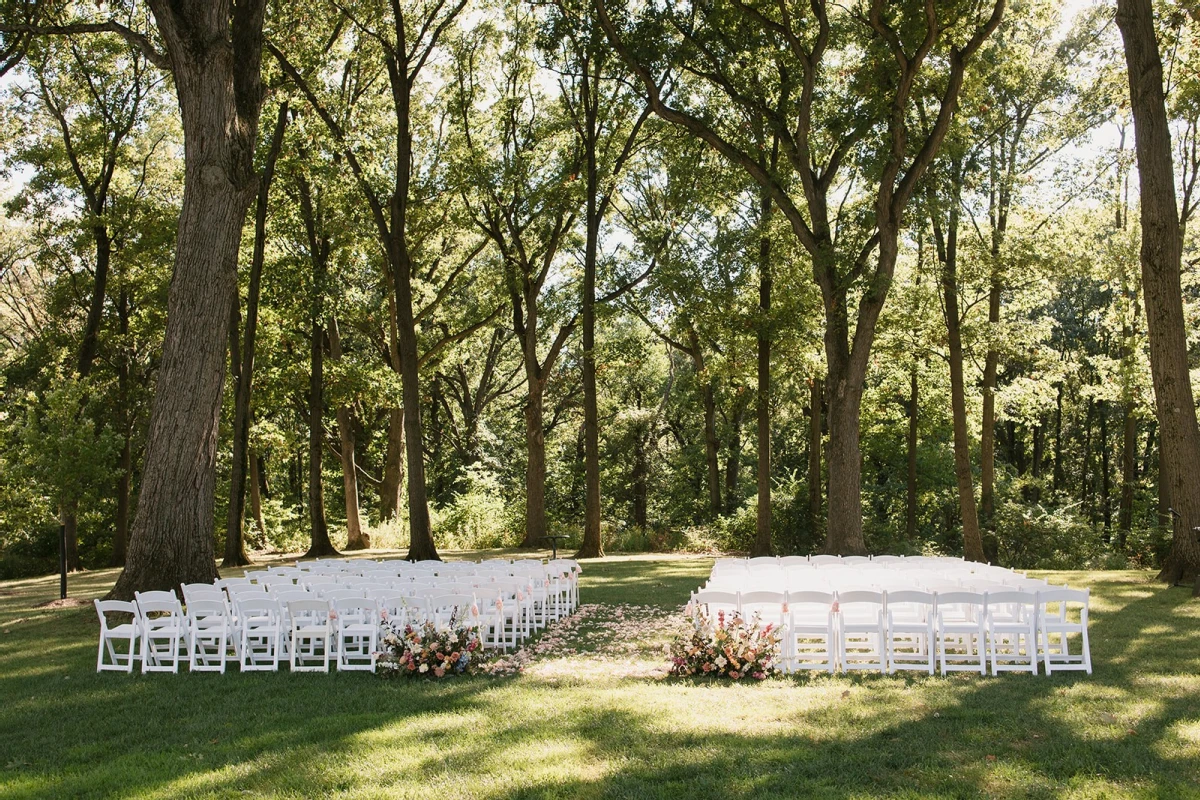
(423, 668)
(721, 662)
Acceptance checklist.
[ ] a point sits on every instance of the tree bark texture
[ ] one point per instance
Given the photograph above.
(1161, 252)
(215, 56)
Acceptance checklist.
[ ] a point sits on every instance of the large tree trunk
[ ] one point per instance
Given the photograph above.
(762, 529)
(948, 254)
(535, 468)
(215, 66)
(816, 395)
(243, 361)
(1161, 251)
(355, 538)
(910, 505)
(420, 528)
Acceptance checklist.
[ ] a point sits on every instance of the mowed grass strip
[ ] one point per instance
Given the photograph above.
(615, 729)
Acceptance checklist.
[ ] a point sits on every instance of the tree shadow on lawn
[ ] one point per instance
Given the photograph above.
(67, 732)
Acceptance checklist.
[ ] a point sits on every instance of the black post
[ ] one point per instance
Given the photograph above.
(62, 562)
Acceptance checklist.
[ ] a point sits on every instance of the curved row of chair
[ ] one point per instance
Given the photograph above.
(909, 629)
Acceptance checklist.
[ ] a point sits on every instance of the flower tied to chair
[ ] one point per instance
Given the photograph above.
(835, 607)
(784, 608)
(520, 596)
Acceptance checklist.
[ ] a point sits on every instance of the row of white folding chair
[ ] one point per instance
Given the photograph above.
(905, 629)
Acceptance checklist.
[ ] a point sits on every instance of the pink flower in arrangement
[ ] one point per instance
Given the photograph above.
(758, 676)
(439, 671)
(733, 673)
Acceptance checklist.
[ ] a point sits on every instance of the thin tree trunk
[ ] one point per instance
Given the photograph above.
(733, 461)
(215, 59)
(535, 468)
(816, 394)
(712, 446)
(1058, 476)
(256, 493)
(910, 508)
(948, 254)
(355, 538)
(125, 461)
(243, 362)
(393, 456)
(762, 535)
(1129, 444)
(320, 542)
(987, 438)
(1105, 473)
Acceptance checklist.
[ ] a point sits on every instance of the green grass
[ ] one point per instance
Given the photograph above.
(598, 722)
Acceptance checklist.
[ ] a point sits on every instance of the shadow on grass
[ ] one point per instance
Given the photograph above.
(67, 732)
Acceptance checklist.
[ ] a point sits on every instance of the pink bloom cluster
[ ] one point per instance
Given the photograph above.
(429, 651)
(726, 646)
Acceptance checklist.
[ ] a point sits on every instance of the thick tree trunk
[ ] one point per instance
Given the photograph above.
(1161, 252)
(948, 254)
(844, 535)
(215, 70)
(355, 538)
(420, 528)
(535, 468)
(762, 530)
(910, 506)
(816, 394)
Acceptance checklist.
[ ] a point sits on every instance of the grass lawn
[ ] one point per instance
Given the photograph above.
(593, 718)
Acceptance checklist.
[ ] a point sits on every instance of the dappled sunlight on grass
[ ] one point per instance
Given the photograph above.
(591, 715)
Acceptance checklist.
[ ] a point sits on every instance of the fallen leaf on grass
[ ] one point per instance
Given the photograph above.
(1107, 717)
(991, 757)
(845, 694)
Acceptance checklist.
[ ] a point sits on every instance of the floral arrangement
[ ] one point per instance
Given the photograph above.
(429, 651)
(724, 645)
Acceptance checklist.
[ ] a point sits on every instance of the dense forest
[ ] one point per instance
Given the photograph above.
(728, 275)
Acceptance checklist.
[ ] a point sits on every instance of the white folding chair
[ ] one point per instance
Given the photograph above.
(163, 629)
(309, 646)
(962, 631)
(810, 631)
(910, 631)
(259, 625)
(718, 601)
(861, 630)
(208, 635)
(110, 635)
(1057, 626)
(1012, 631)
(357, 621)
